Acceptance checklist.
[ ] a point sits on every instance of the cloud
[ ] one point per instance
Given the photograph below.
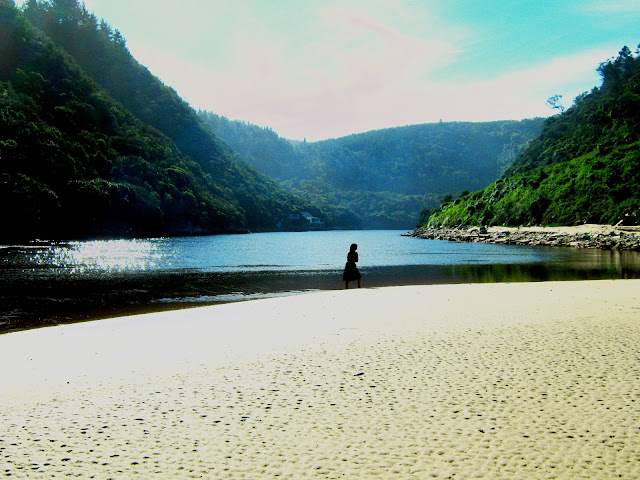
(518, 94)
(329, 68)
(515, 95)
(344, 106)
(567, 75)
(375, 54)
(348, 65)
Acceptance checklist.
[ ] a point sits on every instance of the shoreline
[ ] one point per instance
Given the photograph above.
(603, 237)
(518, 380)
(43, 301)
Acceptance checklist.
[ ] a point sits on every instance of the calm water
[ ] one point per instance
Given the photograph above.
(50, 283)
(288, 251)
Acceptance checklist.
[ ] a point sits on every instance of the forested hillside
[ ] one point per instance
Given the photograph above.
(91, 143)
(259, 146)
(583, 168)
(386, 177)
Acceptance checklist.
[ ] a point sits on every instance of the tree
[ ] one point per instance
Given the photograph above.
(555, 103)
(613, 70)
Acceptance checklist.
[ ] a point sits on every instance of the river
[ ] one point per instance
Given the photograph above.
(44, 284)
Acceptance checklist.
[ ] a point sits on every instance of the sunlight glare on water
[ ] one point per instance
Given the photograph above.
(283, 251)
(102, 255)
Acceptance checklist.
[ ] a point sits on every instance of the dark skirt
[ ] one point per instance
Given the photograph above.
(351, 272)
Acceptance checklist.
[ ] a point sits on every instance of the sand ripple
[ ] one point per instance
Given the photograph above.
(472, 381)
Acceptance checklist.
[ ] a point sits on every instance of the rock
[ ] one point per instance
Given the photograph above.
(611, 240)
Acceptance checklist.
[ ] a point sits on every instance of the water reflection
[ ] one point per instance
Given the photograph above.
(616, 267)
(543, 272)
(120, 255)
(301, 252)
(294, 251)
(90, 256)
(45, 284)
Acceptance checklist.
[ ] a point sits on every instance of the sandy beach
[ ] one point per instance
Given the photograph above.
(493, 381)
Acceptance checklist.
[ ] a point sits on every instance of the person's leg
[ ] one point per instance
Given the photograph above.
(358, 283)
(346, 284)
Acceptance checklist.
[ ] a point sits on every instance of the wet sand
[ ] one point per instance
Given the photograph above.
(495, 381)
(47, 299)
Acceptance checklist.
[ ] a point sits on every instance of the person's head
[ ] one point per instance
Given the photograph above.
(353, 248)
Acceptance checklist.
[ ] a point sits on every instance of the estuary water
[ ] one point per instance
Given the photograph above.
(43, 284)
(282, 251)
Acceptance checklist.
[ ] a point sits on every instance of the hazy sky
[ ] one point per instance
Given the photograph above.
(321, 68)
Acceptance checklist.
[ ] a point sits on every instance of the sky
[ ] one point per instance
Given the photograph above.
(317, 69)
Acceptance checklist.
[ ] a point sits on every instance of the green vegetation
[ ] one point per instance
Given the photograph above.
(372, 210)
(260, 147)
(583, 168)
(384, 177)
(92, 144)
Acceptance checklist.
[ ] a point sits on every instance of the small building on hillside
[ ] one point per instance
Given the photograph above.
(301, 221)
(311, 219)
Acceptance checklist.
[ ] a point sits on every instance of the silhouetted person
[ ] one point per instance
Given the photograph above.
(351, 272)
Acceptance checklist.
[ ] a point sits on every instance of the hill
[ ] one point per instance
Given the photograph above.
(92, 144)
(386, 177)
(583, 168)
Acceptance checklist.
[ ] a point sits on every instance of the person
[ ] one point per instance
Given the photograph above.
(351, 272)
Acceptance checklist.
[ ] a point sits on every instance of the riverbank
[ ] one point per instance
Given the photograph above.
(603, 237)
(493, 381)
(45, 300)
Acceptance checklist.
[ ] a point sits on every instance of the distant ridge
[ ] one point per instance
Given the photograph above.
(385, 177)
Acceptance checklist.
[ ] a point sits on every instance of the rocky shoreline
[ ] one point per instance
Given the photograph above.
(603, 237)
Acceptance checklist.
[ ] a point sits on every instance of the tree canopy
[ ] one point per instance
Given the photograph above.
(584, 166)
(384, 177)
(91, 143)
